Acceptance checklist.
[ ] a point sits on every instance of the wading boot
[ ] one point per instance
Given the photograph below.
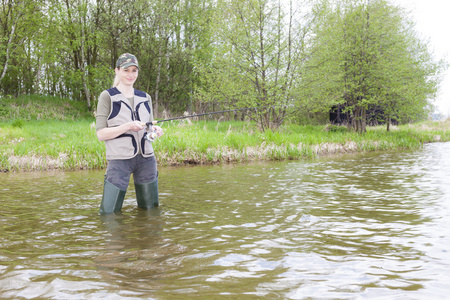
(112, 199)
(147, 194)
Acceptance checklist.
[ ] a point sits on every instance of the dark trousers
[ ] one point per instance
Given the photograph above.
(144, 170)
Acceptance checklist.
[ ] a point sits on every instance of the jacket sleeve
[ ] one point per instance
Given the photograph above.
(103, 111)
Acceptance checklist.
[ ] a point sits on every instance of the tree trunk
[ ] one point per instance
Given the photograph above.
(8, 46)
(82, 64)
(360, 119)
(363, 119)
(158, 80)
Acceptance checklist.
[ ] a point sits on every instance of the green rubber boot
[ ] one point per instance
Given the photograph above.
(147, 194)
(112, 199)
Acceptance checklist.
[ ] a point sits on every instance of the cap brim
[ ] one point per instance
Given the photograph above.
(126, 65)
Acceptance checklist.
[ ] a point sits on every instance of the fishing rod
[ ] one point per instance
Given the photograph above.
(213, 113)
(151, 135)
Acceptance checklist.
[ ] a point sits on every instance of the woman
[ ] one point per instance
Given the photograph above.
(122, 114)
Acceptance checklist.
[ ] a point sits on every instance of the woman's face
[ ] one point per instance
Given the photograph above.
(127, 76)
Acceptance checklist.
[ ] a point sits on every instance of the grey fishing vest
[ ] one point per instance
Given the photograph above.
(130, 143)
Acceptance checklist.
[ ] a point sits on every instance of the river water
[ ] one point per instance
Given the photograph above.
(370, 226)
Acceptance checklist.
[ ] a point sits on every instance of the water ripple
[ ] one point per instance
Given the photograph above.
(373, 226)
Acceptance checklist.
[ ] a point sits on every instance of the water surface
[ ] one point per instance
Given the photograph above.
(372, 226)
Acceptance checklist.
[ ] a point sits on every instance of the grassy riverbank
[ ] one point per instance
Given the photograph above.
(45, 133)
(70, 145)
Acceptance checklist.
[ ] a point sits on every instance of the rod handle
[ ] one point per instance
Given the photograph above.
(152, 123)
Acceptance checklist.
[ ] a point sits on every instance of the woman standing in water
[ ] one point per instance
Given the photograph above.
(122, 113)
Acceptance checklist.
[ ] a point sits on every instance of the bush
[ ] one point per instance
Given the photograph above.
(335, 128)
(17, 123)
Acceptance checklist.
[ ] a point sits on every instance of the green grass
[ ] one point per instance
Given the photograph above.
(63, 137)
(211, 142)
(39, 107)
(52, 144)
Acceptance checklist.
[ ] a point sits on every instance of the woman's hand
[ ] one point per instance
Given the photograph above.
(109, 133)
(158, 130)
(136, 126)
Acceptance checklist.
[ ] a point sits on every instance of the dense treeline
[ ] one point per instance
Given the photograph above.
(292, 59)
(69, 48)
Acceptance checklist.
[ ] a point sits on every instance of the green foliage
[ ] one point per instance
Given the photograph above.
(365, 54)
(17, 123)
(198, 54)
(255, 58)
(336, 128)
(69, 48)
(37, 107)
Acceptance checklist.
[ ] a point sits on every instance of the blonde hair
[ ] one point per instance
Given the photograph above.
(116, 80)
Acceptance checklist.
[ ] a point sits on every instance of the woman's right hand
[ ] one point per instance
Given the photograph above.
(109, 133)
(136, 126)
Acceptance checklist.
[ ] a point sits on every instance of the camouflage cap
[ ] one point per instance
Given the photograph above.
(126, 60)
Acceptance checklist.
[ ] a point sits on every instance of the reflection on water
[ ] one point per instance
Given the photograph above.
(362, 226)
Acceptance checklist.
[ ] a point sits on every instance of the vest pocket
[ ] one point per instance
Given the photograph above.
(122, 147)
(146, 147)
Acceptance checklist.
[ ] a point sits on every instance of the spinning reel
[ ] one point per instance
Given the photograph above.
(150, 133)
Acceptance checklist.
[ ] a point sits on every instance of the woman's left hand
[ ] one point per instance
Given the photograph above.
(158, 130)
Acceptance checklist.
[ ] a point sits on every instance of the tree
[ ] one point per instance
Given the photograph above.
(258, 49)
(176, 33)
(19, 22)
(79, 23)
(365, 53)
